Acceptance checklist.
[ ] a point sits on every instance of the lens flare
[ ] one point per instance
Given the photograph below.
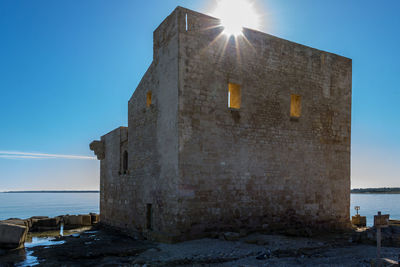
(236, 14)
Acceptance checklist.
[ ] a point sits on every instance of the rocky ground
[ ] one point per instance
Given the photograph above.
(98, 247)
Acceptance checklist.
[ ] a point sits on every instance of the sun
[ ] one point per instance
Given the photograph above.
(236, 14)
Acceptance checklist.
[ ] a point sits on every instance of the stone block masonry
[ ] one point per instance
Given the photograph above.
(239, 133)
(12, 236)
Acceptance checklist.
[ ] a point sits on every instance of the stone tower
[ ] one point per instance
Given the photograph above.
(229, 133)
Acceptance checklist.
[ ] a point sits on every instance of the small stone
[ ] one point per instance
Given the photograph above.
(230, 236)
(383, 262)
(262, 256)
(243, 232)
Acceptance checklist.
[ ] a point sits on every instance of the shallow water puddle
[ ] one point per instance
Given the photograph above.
(37, 241)
(24, 257)
(33, 241)
(43, 241)
(29, 261)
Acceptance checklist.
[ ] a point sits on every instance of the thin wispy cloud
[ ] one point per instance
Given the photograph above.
(18, 157)
(30, 155)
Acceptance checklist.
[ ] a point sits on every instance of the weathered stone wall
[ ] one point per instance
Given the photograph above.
(110, 169)
(253, 166)
(152, 147)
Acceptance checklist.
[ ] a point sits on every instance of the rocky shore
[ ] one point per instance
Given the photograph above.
(97, 246)
(13, 231)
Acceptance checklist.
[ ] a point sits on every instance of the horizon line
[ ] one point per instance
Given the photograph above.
(98, 190)
(51, 191)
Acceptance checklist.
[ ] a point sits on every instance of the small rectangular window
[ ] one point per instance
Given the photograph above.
(125, 162)
(295, 106)
(234, 95)
(148, 99)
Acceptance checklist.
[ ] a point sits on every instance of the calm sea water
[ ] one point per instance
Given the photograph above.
(25, 205)
(372, 203)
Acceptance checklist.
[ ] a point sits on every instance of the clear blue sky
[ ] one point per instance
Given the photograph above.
(68, 68)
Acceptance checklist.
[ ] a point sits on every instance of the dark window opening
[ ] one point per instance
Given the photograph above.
(125, 162)
(149, 215)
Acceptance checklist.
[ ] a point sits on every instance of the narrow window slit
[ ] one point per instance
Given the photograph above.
(125, 162)
(295, 106)
(186, 20)
(234, 96)
(148, 99)
(149, 215)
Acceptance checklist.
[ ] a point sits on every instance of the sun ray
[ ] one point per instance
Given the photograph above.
(225, 45)
(248, 42)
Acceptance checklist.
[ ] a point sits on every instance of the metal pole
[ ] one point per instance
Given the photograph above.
(378, 241)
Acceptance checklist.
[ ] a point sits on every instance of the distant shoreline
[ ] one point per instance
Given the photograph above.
(385, 190)
(375, 193)
(353, 191)
(54, 191)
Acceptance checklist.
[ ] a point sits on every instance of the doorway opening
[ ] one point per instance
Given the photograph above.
(149, 217)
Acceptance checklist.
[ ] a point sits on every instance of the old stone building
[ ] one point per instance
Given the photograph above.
(226, 133)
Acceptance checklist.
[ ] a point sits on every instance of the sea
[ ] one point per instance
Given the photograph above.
(26, 205)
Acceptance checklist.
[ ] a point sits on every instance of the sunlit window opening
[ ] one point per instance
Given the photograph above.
(236, 14)
(234, 96)
(295, 106)
(148, 99)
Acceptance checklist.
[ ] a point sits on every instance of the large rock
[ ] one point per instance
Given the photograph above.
(78, 220)
(86, 220)
(73, 220)
(95, 218)
(49, 222)
(12, 236)
(45, 224)
(33, 220)
(39, 217)
(17, 222)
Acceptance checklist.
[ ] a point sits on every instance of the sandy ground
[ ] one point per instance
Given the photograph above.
(103, 248)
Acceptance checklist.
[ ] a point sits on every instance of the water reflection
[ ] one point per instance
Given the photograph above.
(29, 260)
(17, 256)
(24, 257)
